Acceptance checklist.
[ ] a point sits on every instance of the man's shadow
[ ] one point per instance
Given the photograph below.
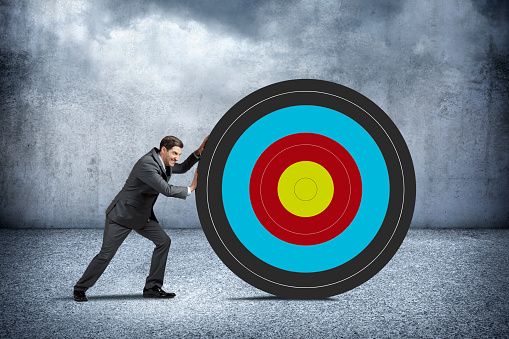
(110, 297)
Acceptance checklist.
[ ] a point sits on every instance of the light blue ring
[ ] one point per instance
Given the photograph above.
(305, 119)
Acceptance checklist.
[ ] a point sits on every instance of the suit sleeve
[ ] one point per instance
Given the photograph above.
(186, 165)
(149, 175)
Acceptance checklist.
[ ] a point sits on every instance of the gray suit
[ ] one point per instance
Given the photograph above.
(132, 209)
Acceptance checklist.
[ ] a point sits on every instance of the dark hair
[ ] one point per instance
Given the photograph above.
(170, 141)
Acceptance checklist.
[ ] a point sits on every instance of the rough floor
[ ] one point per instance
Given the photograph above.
(441, 283)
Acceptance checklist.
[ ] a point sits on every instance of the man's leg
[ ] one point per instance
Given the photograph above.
(154, 232)
(114, 235)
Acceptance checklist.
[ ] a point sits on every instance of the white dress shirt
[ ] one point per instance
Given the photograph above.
(164, 166)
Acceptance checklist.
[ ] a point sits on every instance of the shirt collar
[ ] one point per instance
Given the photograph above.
(162, 162)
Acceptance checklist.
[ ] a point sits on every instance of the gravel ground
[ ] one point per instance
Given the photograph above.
(441, 283)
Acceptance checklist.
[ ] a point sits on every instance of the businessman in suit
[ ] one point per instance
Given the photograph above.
(132, 209)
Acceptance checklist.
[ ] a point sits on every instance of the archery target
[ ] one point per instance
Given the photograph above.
(306, 189)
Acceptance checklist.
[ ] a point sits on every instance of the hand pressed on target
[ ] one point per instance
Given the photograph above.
(195, 180)
(199, 151)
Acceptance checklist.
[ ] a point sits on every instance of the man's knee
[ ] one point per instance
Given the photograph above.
(166, 241)
(163, 241)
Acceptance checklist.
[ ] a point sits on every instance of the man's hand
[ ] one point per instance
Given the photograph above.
(195, 180)
(202, 146)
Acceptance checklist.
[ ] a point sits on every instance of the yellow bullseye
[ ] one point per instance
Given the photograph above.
(305, 188)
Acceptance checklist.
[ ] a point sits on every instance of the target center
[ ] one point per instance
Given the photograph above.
(305, 189)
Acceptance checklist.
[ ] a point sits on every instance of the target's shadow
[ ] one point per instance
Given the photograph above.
(276, 298)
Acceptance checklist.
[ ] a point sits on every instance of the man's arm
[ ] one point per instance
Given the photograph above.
(186, 165)
(149, 175)
(191, 160)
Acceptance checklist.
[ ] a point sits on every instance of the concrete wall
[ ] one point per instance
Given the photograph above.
(87, 87)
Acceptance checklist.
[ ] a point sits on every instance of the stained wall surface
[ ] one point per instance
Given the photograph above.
(87, 87)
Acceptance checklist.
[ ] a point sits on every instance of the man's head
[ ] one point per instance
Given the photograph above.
(170, 150)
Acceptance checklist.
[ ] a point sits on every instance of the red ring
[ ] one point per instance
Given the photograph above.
(305, 230)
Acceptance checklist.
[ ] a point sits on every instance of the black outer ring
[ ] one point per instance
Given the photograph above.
(318, 284)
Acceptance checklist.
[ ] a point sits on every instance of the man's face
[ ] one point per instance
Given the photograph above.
(171, 156)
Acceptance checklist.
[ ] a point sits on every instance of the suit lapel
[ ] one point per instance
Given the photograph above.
(158, 161)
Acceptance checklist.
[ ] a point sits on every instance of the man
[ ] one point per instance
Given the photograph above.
(132, 209)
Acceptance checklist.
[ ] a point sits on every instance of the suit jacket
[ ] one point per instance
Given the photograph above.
(133, 205)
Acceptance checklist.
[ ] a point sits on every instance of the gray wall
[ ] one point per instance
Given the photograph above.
(87, 87)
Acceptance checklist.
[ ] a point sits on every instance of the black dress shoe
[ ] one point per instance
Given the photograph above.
(157, 292)
(80, 295)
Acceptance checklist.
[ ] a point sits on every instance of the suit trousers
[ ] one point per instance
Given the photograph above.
(114, 235)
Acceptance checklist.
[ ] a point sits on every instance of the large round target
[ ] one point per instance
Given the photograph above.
(306, 189)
